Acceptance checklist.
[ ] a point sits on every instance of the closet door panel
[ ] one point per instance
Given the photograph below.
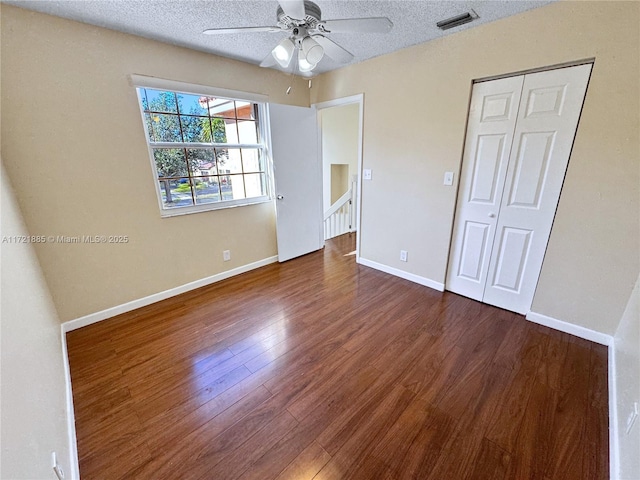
(548, 116)
(491, 124)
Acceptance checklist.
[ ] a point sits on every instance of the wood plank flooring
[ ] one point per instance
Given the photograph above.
(321, 369)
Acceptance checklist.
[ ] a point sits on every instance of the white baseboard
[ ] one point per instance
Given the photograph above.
(566, 327)
(614, 452)
(74, 467)
(156, 297)
(402, 274)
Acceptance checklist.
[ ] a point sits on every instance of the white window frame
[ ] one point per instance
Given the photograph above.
(142, 81)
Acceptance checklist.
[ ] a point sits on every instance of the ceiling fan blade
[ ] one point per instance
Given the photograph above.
(216, 31)
(333, 50)
(357, 25)
(293, 8)
(269, 61)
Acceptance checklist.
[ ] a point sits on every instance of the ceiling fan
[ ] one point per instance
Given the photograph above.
(302, 21)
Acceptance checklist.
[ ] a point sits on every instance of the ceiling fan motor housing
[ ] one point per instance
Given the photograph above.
(313, 16)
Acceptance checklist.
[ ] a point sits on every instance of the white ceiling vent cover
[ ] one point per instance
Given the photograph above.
(457, 20)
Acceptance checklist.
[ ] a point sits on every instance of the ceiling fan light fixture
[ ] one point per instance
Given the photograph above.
(312, 50)
(283, 52)
(303, 64)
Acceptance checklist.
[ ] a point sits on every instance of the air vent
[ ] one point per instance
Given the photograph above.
(457, 20)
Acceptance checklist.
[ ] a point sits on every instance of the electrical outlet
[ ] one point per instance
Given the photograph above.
(57, 469)
(226, 255)
(403, 255)
(631, 419)
(366, 174)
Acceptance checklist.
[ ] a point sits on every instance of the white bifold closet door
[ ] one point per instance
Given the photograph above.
(519, 137)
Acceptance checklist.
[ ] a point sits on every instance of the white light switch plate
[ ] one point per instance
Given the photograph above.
(366, 174)
(448, 178)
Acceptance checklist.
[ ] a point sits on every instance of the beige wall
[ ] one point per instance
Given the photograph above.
(339, 144)
(592, 259)
(627, 375)
(33, 404)
(339, 181)
(74, 147)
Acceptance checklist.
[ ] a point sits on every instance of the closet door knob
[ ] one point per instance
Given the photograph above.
(492, 215)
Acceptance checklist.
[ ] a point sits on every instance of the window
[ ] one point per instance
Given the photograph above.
(207, 151)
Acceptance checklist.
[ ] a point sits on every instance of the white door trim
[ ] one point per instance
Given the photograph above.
(359, 100)
(556, 66)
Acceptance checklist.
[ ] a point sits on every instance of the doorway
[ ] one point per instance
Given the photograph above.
(520, 132)
(340, 132)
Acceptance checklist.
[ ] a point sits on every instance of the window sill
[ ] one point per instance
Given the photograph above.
(178, 211)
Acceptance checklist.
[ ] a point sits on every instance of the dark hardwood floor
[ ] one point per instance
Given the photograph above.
(320, 368)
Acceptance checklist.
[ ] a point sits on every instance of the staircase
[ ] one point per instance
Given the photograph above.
(341, 216)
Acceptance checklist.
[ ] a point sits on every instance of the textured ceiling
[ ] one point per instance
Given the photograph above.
(181, 22)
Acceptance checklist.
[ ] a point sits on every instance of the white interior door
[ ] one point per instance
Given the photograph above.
(548, 117)
(492, 121)
(298, 180)
(501, 233)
